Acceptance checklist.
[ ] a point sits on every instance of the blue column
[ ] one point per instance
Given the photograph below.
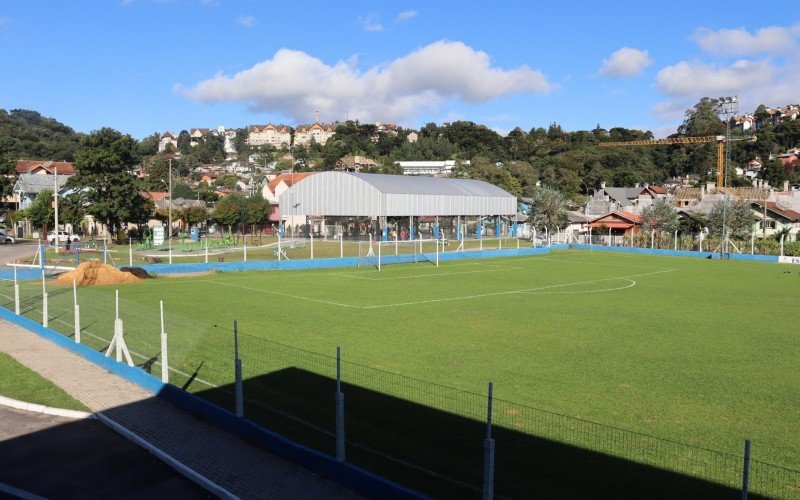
(281, 230)
(385, 233)
(436, 231)
(458, 232)
(479, 231)
(411, 232)
(498, 229)
(42, 252)
(514, 230)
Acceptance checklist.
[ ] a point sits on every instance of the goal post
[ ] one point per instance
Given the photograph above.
(377, 254)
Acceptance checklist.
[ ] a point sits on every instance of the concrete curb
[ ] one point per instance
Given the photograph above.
(46, 410)
(179, 467)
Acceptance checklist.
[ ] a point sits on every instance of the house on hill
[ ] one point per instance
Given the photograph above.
(773, 218)
(319, 132)
(28, 187)
(354, 163)
(167, 138)
(613, 227)
(35, 167)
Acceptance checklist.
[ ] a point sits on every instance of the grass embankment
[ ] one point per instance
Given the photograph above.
(23, 384)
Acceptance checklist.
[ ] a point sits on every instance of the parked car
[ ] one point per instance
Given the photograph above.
(6, 239)
(63, 237)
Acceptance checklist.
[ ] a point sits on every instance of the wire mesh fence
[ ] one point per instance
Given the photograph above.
(418, 433)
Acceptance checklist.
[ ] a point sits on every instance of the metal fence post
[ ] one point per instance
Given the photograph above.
(238, 365)
(339, 408)
(77, 309)
(16, 293)
(488, 455)
(164, 357)
(746, 470)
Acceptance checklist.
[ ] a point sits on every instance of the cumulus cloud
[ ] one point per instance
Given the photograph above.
(246, 21)
(296, 84)
(372, 22)
(697, 79)
(740, 42)
(406, 16)
(626, 62)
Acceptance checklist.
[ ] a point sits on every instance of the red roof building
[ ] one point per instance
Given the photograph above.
(45, 167)
(619, 222)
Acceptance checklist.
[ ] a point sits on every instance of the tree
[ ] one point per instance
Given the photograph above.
(775, 173)
(660, 217)
(228, 211)
(182, 190)
(548, 208)
(193, 215)
(702, 119)
(149, 145)
(734, 215)
(70, 210)
(106, 188)
(41, 212)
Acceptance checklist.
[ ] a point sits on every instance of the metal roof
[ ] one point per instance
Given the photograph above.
(36, 183)
(355, 194)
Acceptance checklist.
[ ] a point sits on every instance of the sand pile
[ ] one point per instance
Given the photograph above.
(95, 272)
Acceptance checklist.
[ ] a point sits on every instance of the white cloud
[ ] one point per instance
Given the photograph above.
(406, 16)
(698, 80)
(669, 111)
(371, 23)
(246, 21)
(739, 42)
(296, 84)
(626, 62)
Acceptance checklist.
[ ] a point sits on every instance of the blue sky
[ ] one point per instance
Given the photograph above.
(143, 66)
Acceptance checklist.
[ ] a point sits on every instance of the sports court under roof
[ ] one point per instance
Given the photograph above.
(377, 195)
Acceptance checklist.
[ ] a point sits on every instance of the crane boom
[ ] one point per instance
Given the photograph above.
(720, 139)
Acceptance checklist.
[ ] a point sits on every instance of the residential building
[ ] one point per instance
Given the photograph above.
(438, 168)
(167, 138)
(772, 219)
(319, 132)
(631, 199)
(354, 163)
(275, 188)
(28, 186)
(269, 135)
(412, 136)
(35, 167)
(196, 135)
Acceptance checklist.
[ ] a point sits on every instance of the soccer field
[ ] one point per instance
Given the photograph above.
(702, 352)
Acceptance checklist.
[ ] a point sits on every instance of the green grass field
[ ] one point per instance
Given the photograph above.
(696, 351)
(23, 384)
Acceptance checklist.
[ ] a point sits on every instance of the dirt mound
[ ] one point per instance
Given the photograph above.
(95, 272)
(136, 271)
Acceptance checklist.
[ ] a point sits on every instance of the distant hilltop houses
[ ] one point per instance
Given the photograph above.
(276, 135)
(768, 116)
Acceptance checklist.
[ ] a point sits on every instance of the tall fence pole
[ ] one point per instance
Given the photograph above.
(341, 245)
(746, 470)
(206, 248)
(164, 358)
(676, 240)
(44, 302)
(77, 309)
(488, 455)
(130, 252)
(16, 293)
(752, 242)
(311, 234)
(339, 408)
(244, 248)
(238, 368)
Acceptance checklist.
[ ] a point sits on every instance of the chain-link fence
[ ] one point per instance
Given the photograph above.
(418, 433)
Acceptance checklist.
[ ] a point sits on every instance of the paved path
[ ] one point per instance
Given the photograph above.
(16, 251)
(66, 458)
(233, 464)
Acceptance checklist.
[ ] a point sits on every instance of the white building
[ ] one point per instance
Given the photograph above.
(440, 168)
(167, 138)
(269, 135)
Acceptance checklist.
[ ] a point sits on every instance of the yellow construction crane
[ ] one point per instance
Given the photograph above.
(720, 139)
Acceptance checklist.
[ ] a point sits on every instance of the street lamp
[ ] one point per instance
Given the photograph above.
(727, 107)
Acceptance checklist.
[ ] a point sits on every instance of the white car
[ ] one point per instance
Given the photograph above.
(6, 239)
(63, 237)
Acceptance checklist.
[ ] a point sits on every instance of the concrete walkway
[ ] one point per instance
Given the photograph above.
(238, 467)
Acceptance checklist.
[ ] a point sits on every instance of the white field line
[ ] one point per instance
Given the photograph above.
(429, 275)
(630, 284)
(299, 297)
(511, 292)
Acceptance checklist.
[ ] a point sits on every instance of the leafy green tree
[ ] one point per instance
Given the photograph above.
(107, 190)
(548, 208)
(41, 212)
(734, 215)
(228, 211)
(660, 217)
(702, 119)
(71, 210)
(149, 145)
(184, 142)
(775, 173)
(182, 190)
(193, 215)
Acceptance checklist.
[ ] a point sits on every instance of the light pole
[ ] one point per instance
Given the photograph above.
(55, 194)
(169, 208)
(727, 107)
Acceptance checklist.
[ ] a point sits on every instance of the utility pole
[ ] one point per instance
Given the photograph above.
(55, 193)
(169, 229)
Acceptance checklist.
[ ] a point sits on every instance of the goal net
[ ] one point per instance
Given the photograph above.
(381, 253)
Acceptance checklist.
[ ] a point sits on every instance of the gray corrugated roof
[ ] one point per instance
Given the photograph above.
(36, 183)
(622, 193)
(404, 184)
